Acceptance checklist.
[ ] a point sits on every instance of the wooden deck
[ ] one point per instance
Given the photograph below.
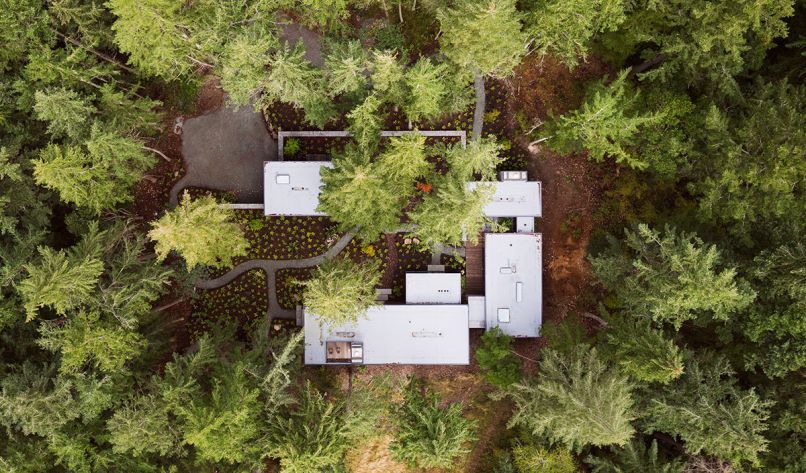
(474, 267)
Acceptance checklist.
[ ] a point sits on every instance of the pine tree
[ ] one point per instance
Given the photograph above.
(429, 436)
(243, 66)
(671, 278)
(482, 37)
(479, 158)
(365, 124)
(711, 414)
(66, 112)
(604, 125)
(387, 76)
(143, 426)
(403, 161)
(201, 231)
(576, 399)
(341, 290)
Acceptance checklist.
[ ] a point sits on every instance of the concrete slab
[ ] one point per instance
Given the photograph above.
(225, 150)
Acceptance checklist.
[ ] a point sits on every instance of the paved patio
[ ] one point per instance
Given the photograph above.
(224, 150)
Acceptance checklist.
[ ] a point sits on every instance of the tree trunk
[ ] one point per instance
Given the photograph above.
(648, 64)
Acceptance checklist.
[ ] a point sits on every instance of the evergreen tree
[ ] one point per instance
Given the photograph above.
(576, 399)
(530, 458)
(341, 290)
(99, 175)
(143, 426)
(366, 123)
(201, 231)
(711, 414)
(429, 436)
(775, 324)
(387, 76)
(496, 361)
(346, 67)
(739, 174)
(450, 212)
(243, 66)
(479, 158)
(635, 456)
(427, 88)
(355, 194)
(565, 30)
(66, 112)
(671, 277)
(403, 161)
(642, 351)
(603, 125)
(482, 37)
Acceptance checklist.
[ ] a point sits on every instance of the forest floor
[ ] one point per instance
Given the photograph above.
(572, 191)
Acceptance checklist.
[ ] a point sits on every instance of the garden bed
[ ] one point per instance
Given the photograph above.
(244, 299)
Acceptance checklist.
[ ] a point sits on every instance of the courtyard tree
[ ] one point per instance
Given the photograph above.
(604, 125)
(243, 66)
(341, 290)
(366, 123)
(482, 37)
(635, 456)
(355, 194)
(346, 67)
(427, 86)
(387, 76)
(450, 212)
(479, 158)
(671, 277)
(403, 161)
(576, 399)
(201, 231)
(429, 436)
(565, 30)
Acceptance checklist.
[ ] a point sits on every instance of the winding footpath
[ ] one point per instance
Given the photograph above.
(270, 267)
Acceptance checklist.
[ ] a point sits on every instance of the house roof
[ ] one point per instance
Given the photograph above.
(292, 187)
(433, 288)
(513, 283)
(513, 199)
(398, 334)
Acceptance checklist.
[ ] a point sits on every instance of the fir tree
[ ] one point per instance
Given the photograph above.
(341, 290)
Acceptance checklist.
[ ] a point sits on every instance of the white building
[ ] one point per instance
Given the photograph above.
(292, 187)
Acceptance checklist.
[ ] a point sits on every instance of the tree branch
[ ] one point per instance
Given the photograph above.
(101, 55)
(159, 153)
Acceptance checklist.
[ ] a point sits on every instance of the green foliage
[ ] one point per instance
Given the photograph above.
(403, 161)
(533, 459)
(565, 30)
(366, 124)
(700, 42)
(635, 456)
(775, 324)
(62, 280)
(642, 351)
(291, 147)
(243, 66)
(479, 158)
(671, 277)
(711, 414)
(341, 290)
(201, 231)
(576, 399)
(65, 111)
(142, 427)
(451, 212)
(749, 186)
(387, 77)
(85, 339)
(428, 88)
(603, 125)
(482, 36)
(99, 175)
(496, 361)
(429, 436)
(565, 335)
(355, 194)
(346, 66)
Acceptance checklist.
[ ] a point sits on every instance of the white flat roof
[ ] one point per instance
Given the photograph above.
(433, 288)
(398, 334)
(513, 282)
(292, 187)
(513, 199)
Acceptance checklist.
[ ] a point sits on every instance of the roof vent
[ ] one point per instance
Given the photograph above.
(282, 179)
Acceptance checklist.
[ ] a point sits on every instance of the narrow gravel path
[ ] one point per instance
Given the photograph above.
(270, 267)
(481, 103)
